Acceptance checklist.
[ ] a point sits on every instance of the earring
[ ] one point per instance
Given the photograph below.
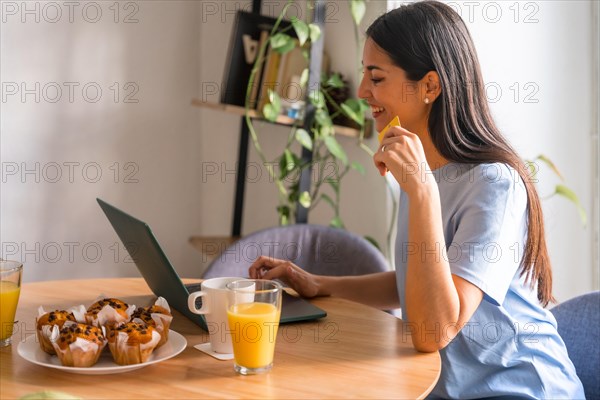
(426, 100)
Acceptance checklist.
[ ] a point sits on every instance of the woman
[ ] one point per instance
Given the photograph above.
(472, 270)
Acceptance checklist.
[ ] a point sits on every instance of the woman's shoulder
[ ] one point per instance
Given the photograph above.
(485, 173)
(496, 173)
(490, 180)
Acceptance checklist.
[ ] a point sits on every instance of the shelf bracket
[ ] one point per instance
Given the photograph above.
(240, 184)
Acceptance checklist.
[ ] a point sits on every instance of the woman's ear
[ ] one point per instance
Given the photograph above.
(431, 86)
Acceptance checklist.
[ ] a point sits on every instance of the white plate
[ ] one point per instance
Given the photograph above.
(31, 351)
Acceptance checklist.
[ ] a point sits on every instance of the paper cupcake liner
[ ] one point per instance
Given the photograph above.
(127, 354)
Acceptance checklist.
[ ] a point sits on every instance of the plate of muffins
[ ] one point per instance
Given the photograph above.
(108, 337)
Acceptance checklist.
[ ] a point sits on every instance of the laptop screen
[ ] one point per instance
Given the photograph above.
(151, 261)
(163, 280)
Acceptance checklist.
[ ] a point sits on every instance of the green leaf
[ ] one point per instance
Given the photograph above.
(317, 98)
(328, 199)
(334, 183)
(294, 196)
(335, 81)
(357, 9)
(371, 240)
(284, 214)
(275, 100)
(358, 167)
(531, 166)
(301, 29)
(270, 168)
(359, 106)
(322, 117)
(315, 32)
(282, 43)
(355, 110)
(304, 199)
(350, 113)
(290, 163)
(287, 163)
(316, 135)
(279, 40)
(337, 223)
(272, 110)
(269, 112)
(281, 188)
(564, 191)
(550, 164)
(362, 105)
(326, 130)
(283, 171)
(304, 138)
(304, 77)
(306, 54)
(334, 148)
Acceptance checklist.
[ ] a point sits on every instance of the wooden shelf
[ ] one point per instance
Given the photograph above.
(281, 119)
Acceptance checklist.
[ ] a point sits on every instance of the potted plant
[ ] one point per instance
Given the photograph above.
(319, 139)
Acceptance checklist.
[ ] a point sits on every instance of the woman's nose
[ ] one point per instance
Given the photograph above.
(363, 92)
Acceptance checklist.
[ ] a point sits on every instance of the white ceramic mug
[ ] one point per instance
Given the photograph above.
(214, 307)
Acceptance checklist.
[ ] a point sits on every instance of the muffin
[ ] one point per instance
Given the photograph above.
(46, 320)
(132, 343)
(78, 345)
(158, 316)
(108, 312)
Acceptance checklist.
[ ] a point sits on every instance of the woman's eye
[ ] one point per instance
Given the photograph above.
(376, 80)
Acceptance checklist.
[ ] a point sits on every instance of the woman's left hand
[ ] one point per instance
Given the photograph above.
(401, 152)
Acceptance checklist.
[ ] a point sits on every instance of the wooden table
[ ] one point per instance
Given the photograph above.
(357, 351)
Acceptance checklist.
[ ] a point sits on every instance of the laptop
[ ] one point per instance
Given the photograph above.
(163, 280)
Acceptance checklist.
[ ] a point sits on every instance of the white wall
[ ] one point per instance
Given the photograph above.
(546, 51)
(57, 229)
(171, 53)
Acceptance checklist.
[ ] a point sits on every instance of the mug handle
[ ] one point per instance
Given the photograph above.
(192, 303)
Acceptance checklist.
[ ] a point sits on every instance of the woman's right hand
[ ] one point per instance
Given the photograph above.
(304, 283)
(401, 152)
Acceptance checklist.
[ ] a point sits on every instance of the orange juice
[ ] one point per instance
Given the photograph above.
(9, 296)
(253, 332)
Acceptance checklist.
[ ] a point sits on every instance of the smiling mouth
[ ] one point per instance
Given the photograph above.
(376, 110)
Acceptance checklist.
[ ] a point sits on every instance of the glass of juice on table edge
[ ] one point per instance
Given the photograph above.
(10, 288)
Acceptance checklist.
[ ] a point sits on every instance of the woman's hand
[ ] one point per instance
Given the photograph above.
(304, 283)
(401, 152)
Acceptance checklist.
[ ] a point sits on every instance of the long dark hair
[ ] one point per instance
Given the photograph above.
(430, 36)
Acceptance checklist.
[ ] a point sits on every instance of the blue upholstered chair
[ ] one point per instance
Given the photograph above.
(579, 325)
(317, 249)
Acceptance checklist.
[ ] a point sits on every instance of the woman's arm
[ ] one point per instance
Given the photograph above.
(438, 304)
(377, 290)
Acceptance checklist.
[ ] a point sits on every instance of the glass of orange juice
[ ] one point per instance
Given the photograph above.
(10, 288)
(253, 311)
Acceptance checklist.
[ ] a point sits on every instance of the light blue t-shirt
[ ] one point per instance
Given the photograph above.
(510, 347)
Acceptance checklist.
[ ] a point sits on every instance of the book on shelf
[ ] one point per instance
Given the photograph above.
(279, 72)
(293, 63)
(264, 35)
(247, 36)
(269, 77)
